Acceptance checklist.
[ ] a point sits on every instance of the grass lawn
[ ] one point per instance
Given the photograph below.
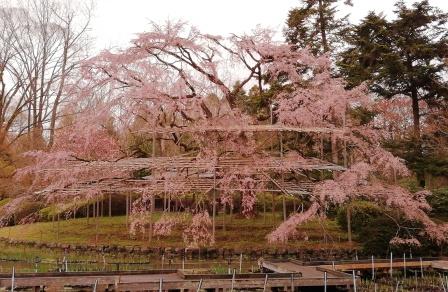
(240, 233)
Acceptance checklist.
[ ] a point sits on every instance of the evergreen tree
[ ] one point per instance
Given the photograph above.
(315, 25)
(400, 58)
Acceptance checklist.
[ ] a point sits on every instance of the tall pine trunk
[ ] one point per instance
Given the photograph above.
(416, 115)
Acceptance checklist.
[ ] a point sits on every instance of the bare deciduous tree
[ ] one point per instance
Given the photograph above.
(41, 44)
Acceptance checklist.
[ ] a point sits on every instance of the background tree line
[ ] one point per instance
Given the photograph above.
(42, 43)
(402, 60)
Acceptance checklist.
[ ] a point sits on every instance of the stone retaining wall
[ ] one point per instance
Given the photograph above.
(193, 253)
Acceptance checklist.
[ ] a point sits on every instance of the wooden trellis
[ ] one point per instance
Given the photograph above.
(242, 128)
(202, 185)
(187, 174)
(179, 162)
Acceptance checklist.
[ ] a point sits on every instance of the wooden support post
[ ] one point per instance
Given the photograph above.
(58, 224)
(102, 207)
(283, 196)
(231, 213)
(127, 211)
(321, 153)
(151, 212)
(214, 204)
(88, 212)
(344, 153)
(224, 217)
(334, 149)
(96, 221)
(154, 144)
(264, 210)
(169, 203)
(99, 215)
(110, 205)
(349, 224)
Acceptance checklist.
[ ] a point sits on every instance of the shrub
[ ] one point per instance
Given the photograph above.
(374, 227)
(439, 202)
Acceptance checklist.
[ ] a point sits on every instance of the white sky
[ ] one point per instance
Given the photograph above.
(116, 21)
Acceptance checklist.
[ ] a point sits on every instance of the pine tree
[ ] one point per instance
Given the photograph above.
(315, 25)
(401, 58)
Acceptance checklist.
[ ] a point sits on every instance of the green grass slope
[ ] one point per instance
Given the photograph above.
(240, 233)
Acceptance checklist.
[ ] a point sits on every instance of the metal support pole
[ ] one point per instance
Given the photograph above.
(391, 265)
(199, 286)
(421, 267)
(13, 276)
(404, 265)
(292, 282)
(233, 280)
(354, 281)
(325, 281)
(265, 283)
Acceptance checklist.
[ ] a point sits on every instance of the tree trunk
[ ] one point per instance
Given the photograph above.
(416, 114)
(57, 100)
(418, 151)
(323, 27)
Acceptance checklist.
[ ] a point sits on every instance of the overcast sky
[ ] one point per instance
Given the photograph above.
(116, 21)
